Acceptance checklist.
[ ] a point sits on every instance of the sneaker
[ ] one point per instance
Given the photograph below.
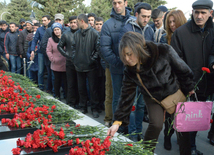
(193, 152)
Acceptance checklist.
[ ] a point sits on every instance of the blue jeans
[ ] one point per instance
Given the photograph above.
(116, 85)
(33, 75)
(50, 80)
(15, 62)
(136, 117)
(41, 68)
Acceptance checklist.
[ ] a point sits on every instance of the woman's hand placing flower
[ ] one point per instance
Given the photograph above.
(112, 130)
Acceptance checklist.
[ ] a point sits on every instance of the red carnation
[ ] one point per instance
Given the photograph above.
(78, 125)
(211, 120)
(16, 150)
(55, 148)
(129, 144)
(38, 96)
(133, 108)
(205, 69)
(77, 140)
(3, 120)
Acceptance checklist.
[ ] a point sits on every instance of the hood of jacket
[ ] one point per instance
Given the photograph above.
(132, 21)
(120, 17)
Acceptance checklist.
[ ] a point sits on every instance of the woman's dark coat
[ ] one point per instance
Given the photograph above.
(162, 74)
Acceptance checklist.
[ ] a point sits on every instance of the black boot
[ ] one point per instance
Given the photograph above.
(167, 143)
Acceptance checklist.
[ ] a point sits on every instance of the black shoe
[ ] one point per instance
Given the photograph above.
(211, 138)
(83, 110)
(139, 137)
(95, 114)
(167, 143)
(146, 119)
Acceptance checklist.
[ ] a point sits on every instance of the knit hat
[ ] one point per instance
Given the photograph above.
(59, 16)
(28, 21)
(21, 20)
(202, 4)
(162, 8)
(56, 25)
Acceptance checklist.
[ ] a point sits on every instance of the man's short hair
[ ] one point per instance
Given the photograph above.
(3, 22)
(157, 13)
(17, 25)
(13, 23)
(37, 24)
(83, 17)
(99, 19)
(92, 15)
(72, 18)
(140, 6)
(47, 16)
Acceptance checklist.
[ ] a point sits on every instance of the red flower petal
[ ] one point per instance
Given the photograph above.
(205, 69)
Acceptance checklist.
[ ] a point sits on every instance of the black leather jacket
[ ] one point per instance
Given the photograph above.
(64, 45)
(85, 48)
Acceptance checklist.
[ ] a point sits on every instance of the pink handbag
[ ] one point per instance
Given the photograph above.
(193, 116)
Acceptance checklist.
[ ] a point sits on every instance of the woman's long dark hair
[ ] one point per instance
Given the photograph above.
(137, 44)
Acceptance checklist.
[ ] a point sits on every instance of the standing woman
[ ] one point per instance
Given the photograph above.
(163, 72)
(58, 62)
(174, 20)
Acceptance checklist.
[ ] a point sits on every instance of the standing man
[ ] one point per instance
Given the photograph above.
(22, 23)
(109, 46)
(11, 49)
(91, 19)
(37, 38)
(140, 25)
(85, 55)
(22, 36)
(3, 32)
(110, 43)
(195, 38)
(98, 24)
(157, 16)
(64, 48)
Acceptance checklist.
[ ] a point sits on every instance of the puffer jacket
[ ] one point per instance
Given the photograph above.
(109, 40)
(2, 37)
(85, 49)
(22, 36)
(38, 37)
(131, 25)
(11, 45)
(163, 73)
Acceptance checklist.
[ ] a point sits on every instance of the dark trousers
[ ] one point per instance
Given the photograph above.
(72, 85)
(92, 83)
(156, 116)
(60, 77)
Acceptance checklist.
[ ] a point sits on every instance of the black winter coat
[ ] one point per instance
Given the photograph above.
(85, 49)
(22, 36)
(195, 47)
(66, 42)
(2, 37)
(163, 74)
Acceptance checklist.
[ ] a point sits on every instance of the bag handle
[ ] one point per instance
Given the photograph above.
(141, 82)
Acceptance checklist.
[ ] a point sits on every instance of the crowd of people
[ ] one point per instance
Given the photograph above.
(100, 63)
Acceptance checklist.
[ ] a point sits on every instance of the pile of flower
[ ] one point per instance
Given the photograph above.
(53, 137)
(32, 108)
